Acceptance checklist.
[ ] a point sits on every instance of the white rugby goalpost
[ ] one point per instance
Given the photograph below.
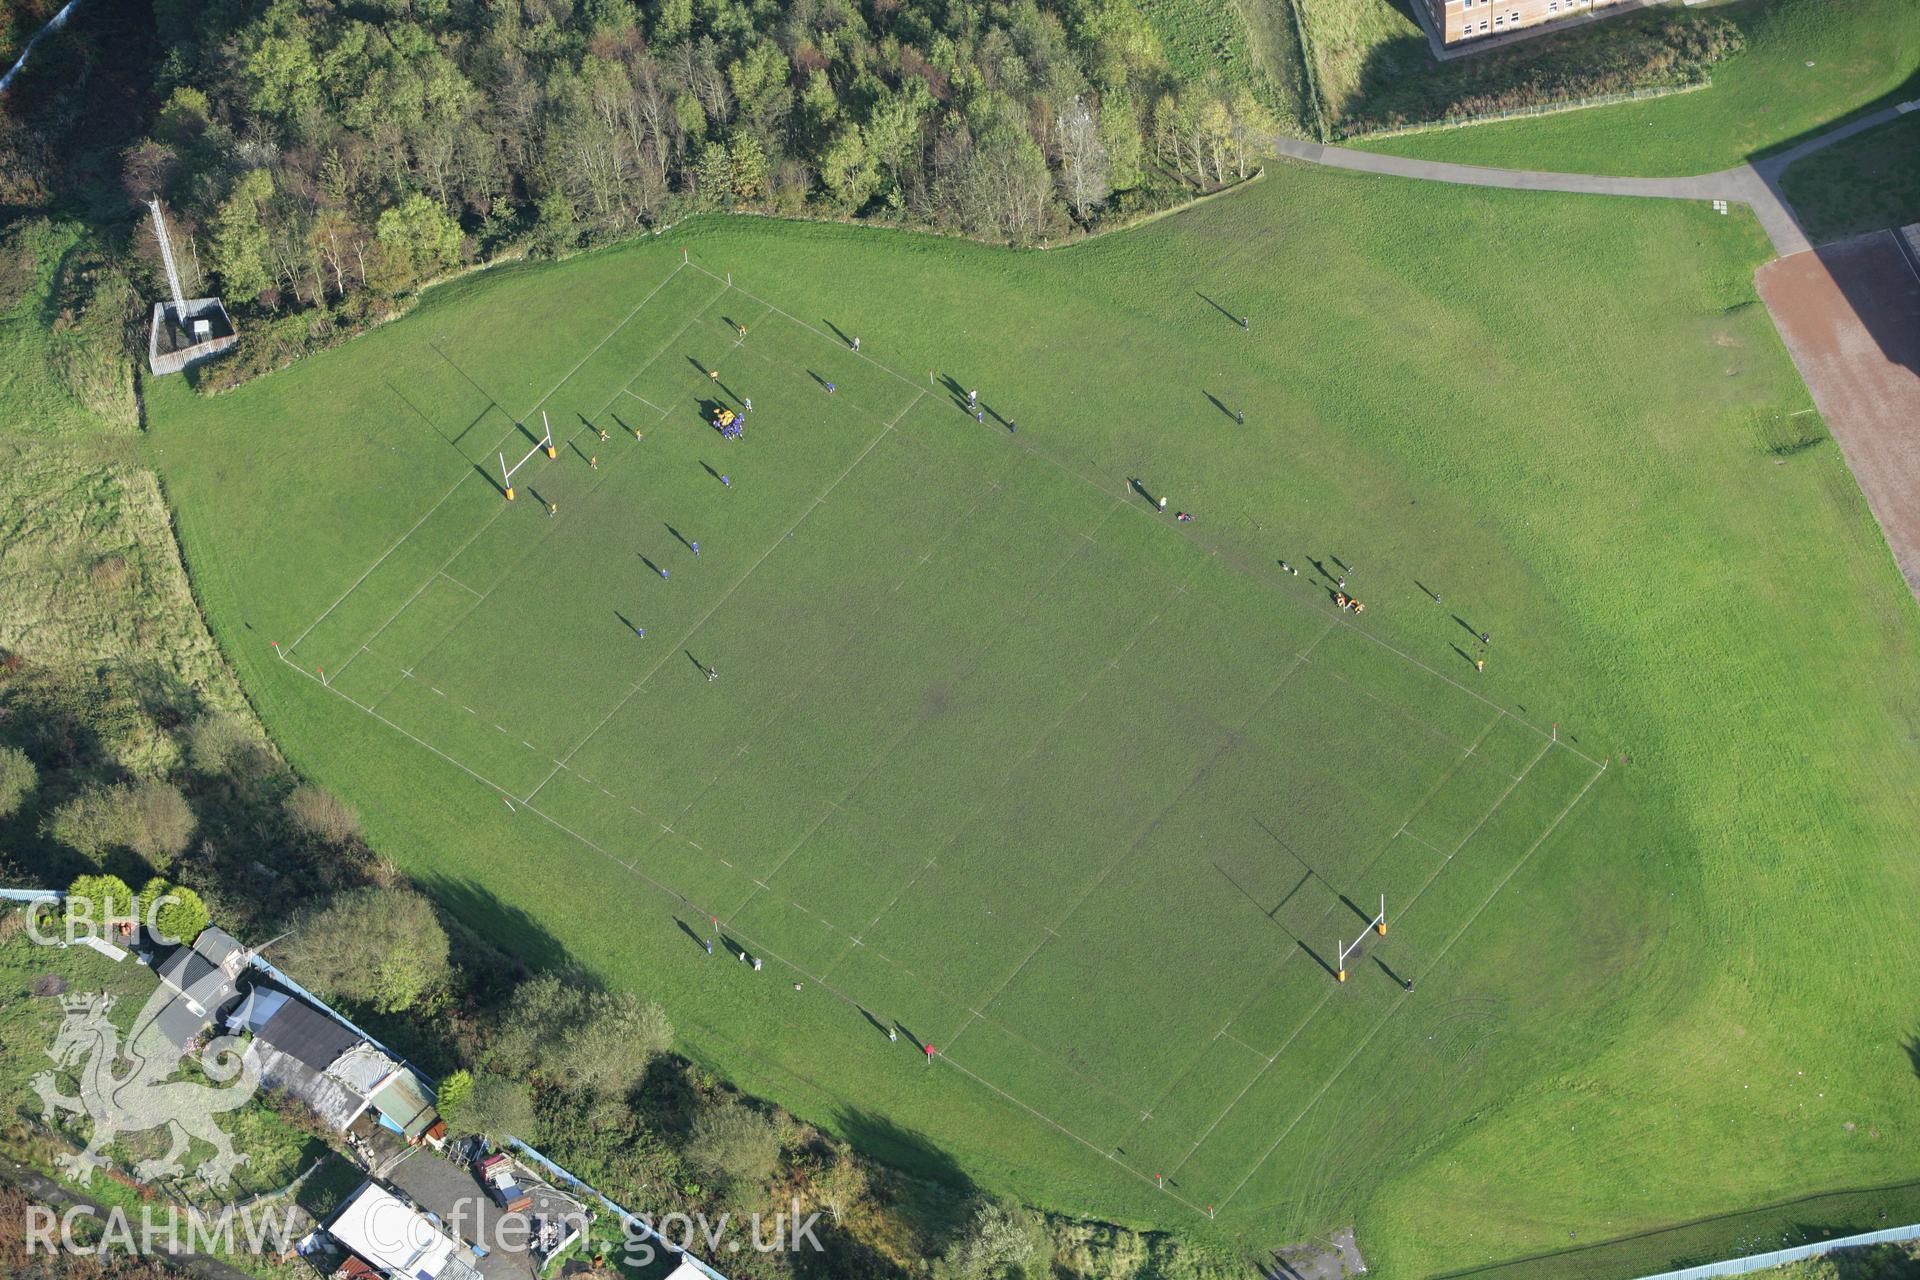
(1376, 925)
(544, 446)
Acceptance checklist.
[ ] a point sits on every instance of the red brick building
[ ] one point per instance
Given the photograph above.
(1459, 21)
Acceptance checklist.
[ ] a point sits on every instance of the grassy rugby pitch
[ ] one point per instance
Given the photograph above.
(999, 755)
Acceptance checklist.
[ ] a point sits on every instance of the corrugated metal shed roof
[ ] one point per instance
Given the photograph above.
(326, 1097)
(404, 1100)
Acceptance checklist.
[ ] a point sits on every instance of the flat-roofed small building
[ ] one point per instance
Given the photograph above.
(397, 1239)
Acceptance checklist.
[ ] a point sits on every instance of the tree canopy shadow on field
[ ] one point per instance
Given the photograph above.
(500, 922)
(1803, 1220)
(905, 1149)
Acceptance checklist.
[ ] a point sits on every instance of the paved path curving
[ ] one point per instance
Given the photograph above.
(1756, 185)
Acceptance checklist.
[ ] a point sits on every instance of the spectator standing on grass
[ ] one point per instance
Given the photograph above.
(553, 509)
(726, 482)
(746, 405)
(1246, 323)
(713, 675)
(980, 415)
(1010, 426)
(1163, 504)
(663, 573)
(593, 463)
(856, 344)
(829, 388)
(1240, 417)
(893, 1034)
(713, 375)
(973, 398)
(695, 546)
(604, 437)
(640, 632)
(708, 944)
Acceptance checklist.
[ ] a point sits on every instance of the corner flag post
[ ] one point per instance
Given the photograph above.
(547, 429)
(506, 478)
(1380, 921)
(1341, 973)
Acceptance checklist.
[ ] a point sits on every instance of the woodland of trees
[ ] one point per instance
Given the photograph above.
(335, 155)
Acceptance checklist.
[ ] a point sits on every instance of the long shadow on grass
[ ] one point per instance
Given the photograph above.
(906, 1149)
(1351, 905)
(1317, 958)
(1216, 306)
(502, 923)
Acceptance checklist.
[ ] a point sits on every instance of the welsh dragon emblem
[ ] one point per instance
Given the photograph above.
(132, 1091)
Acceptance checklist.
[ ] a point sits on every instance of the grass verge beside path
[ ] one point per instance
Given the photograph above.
(1864, 54)
(1868, 182)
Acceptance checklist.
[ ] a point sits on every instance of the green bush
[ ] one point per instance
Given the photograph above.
(496, 1107)
(97, 899)
(317, 812)
(558, 1027)
(178, 914)
(383, 948)
(734, 1146)
(18, 778)
(151, 819)
(221, 744)
(456, 1090)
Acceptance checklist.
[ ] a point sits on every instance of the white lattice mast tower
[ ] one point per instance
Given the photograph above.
(166, 257)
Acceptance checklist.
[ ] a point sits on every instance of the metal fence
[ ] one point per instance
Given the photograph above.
(632, 1221)
(1537, 109)
(1799, 1253)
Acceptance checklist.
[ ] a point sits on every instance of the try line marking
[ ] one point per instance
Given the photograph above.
(464, 475)
(732, 929)
(701, 621)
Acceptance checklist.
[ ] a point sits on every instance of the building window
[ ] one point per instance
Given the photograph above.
(1483, 24)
